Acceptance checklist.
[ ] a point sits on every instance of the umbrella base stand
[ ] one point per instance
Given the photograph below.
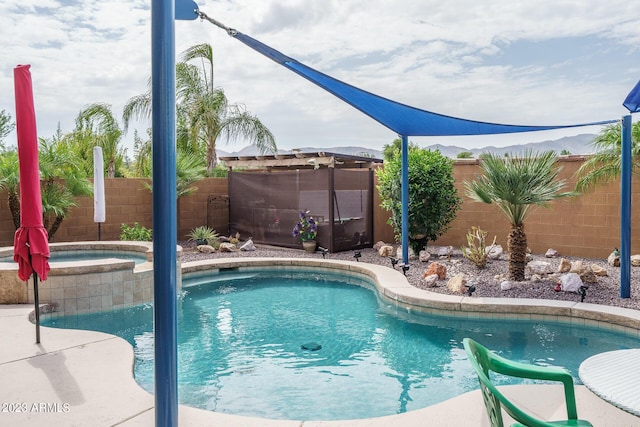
(36, 302)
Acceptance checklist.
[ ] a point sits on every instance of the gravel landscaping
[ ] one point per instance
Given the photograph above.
(487, 280)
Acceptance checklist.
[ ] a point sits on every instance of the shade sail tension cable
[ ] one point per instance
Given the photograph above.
(232, 32)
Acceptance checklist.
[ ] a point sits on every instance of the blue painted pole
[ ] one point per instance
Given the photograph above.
(163, 96)
(625, 210)
(405, 199)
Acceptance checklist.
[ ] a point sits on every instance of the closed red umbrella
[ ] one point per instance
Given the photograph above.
(31, 245)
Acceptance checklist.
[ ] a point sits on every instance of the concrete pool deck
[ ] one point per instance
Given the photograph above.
(81, 378)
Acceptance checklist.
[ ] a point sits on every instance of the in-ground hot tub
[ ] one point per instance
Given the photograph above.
(85, 276)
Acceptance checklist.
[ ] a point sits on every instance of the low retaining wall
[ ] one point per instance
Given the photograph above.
(84, 286)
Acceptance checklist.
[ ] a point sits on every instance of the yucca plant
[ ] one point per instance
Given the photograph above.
(476, 250)
(204, 235)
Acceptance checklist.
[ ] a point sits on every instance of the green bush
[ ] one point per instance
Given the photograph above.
(136, 233)
(433, 199)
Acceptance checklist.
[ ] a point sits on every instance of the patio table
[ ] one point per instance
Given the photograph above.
(615, 377)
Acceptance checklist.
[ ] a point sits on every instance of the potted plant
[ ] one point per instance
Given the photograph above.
(203, 236)
(306, 228)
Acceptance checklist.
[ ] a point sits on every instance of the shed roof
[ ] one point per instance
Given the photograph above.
(300, 160)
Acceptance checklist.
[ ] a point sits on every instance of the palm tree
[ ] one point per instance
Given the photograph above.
(203, 111)
(516, 185)
(96, 125)
(61, 181)
(606, 164)
(6, 126)
(10, 181)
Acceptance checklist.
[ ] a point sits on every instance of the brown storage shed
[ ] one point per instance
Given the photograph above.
(267, 194)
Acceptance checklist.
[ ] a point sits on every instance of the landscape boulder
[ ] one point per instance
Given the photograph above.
(570, 282)
(412, 255)
(552, 253)
(248, 246)
(206, 249)
(614, 259)
(635, 260)
(378, 245)
(565, 266)
(539, 267)
(495, 252)
(599, 271)
(385, 250)
(424, 256)
(436, 268)
(227, 247)
(505, 285)
(430, 280)
(456, 284)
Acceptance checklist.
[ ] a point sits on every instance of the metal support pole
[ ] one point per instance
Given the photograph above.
(405, 200)
(164, 211)
(625, 210)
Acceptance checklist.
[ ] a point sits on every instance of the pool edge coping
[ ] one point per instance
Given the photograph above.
(394, 287)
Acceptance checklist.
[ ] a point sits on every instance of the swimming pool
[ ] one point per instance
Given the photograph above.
(241, 337)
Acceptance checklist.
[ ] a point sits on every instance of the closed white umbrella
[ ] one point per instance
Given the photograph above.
(99, 214)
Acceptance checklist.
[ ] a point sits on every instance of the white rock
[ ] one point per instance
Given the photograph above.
(248, 246)
(539, 267)
(570, 282)
(424, 256)
(495, 252)
(505, 285)
(552, 253)
(430, 280)
(635, 260)
(535, 278)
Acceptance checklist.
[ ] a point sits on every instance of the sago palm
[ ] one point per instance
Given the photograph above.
(517, 185)
(606, 164)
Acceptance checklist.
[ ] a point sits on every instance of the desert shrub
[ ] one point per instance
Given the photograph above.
(135, 233)
(476, 250)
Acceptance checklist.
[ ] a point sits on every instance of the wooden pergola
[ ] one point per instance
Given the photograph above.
(301, 160)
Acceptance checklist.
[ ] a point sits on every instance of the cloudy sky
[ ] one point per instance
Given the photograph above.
(536, 62)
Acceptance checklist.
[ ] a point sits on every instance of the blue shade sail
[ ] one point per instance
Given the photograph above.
(401, 118)
(632, 103)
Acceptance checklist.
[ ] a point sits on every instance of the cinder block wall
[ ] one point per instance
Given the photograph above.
(127, 201)
(585, 226)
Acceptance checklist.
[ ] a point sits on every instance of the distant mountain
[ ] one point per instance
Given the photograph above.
(352, 151)
(579, 144)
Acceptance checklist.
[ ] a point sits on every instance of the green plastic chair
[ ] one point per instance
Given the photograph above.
(485, 361)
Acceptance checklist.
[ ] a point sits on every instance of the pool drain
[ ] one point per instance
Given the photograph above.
(311, 346)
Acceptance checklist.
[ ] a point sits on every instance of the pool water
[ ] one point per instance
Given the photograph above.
(241, 336)
(65, 256)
